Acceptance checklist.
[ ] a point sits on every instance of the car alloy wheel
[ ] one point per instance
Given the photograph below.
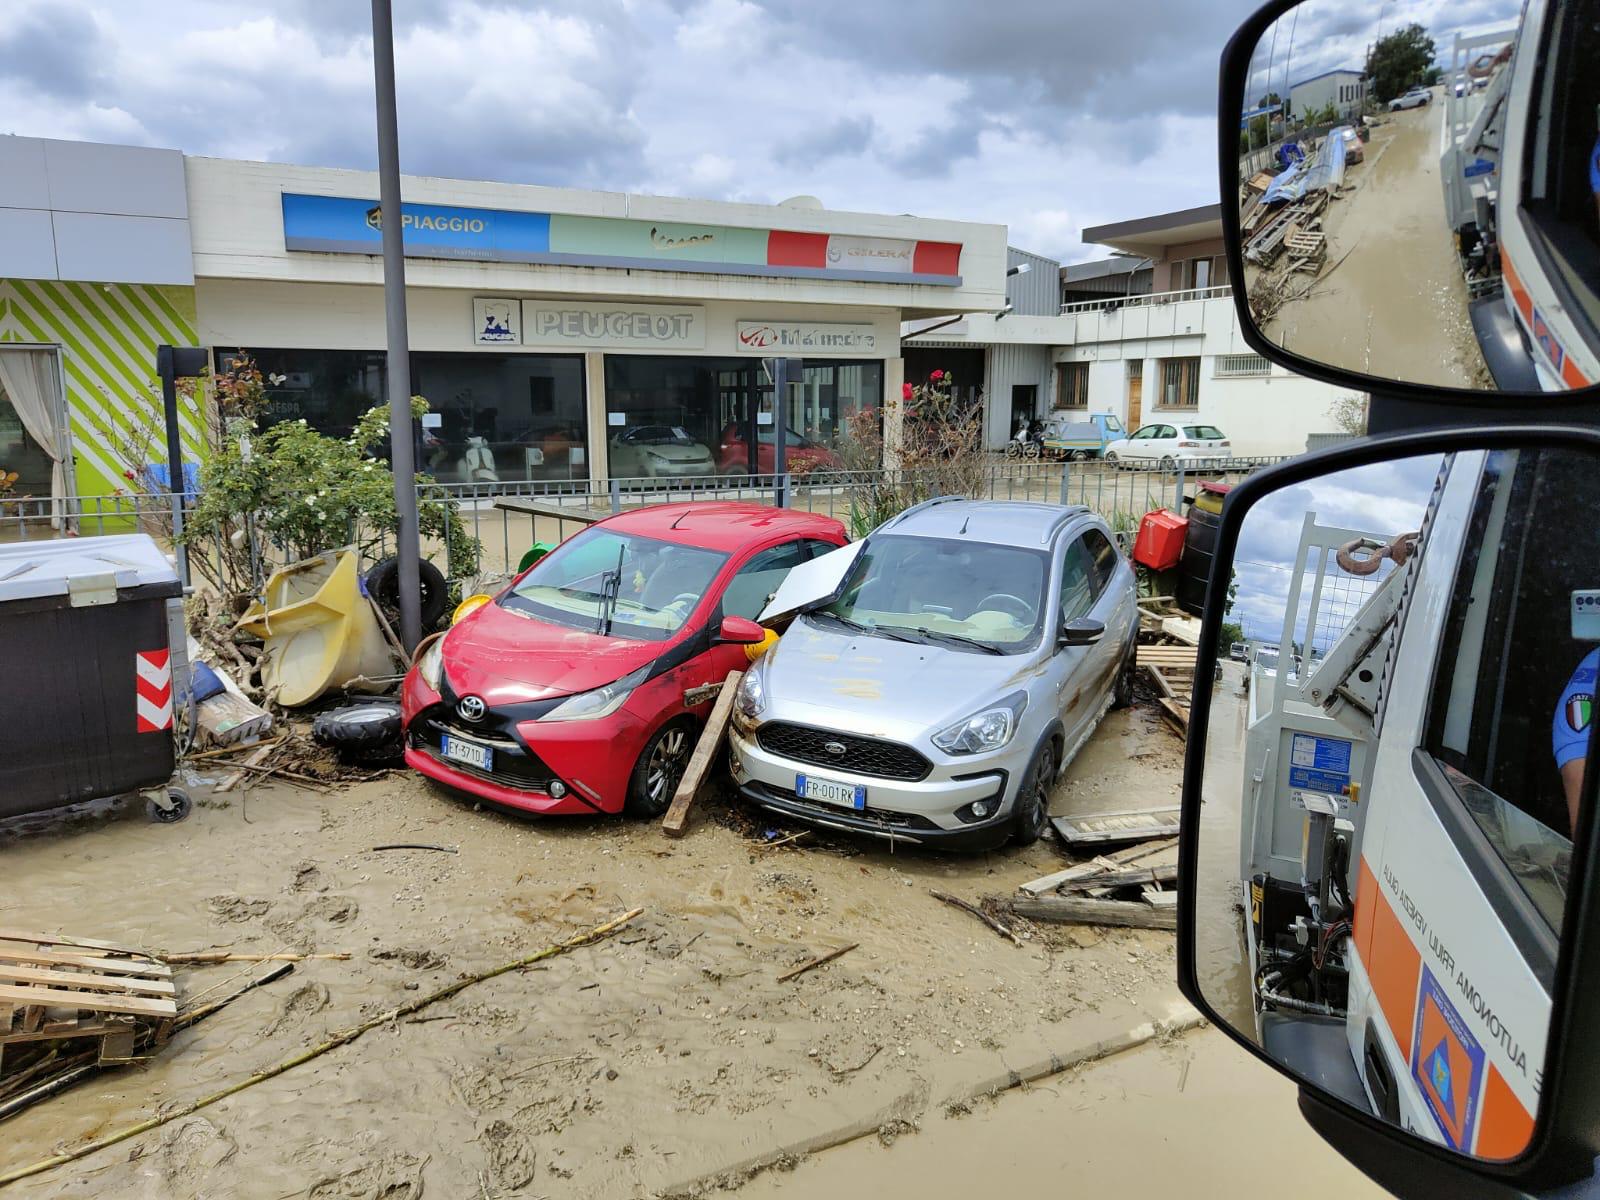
(1033, 801)
(660, 769)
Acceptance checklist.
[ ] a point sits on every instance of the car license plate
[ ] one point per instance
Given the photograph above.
(470, 753)
(830, 791)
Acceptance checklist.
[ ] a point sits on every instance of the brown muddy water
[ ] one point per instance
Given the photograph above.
(664, 1057)
(1391, 301)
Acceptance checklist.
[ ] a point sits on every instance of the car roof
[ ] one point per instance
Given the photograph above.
(999, 522)
(723, 525)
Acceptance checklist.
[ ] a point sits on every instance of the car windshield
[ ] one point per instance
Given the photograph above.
(660, 435)
(1208, 432)
(928, 587)
(659, 585)
(1113, 425)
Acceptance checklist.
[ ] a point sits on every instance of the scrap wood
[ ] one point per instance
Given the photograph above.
(999, 927)
(1102, 862)
(206, 958)
(1125, 877)
(814, 963)
(677, 819)
(244, 768)
(342, 1038)
(1080, 910)
(1176, 716)
(389, 634)
(416, 846)
(226, 751)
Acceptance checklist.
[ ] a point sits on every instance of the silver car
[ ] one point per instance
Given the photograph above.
(940, 674)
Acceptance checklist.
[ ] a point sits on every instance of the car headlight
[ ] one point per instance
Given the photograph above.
(654, 457)
(430, 664)
(988, 729)
(601, 702)
(751, 699)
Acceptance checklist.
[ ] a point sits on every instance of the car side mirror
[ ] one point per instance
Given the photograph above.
(1388, 825)
(740, 631)
(1081, 632)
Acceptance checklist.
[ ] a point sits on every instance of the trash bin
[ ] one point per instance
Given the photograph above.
(1199, 546)
(87, 633)
(1160, 540)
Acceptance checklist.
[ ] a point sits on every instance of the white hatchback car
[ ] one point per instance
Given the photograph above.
(1415, 98)
(1167, 445)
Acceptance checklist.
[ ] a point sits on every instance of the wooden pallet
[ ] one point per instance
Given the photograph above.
(55, 988)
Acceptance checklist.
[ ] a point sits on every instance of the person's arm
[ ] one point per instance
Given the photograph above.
(1572, 782)
(1569, 732)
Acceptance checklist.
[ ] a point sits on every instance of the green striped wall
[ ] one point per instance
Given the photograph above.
(108, 334)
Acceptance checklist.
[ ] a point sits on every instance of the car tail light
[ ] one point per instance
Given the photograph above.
(1224, 442)
(1188, 445)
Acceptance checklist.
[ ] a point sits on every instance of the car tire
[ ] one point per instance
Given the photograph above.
(1122, 689)
(1113, 460)
(1168, 463)
(1080, 456)
(383, 585)
(367, 732)
(659, 769)
(1032, 816)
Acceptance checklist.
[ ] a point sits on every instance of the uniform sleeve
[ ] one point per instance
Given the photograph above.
(1569, 726)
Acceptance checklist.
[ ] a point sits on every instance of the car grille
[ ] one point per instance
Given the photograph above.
(864, 819)
(861, 756)
(514, 764)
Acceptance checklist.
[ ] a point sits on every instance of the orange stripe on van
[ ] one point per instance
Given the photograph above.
(1504, 1128)
(1519, 294)
(1570, 375)
(1392, 960)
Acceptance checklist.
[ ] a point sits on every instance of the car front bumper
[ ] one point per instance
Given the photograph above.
(896, 810)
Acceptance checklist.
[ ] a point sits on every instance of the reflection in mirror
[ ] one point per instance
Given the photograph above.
(1417, 194)
(1393, 768)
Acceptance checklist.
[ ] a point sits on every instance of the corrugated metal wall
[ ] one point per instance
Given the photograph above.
(1037, 293)
(1010, 366)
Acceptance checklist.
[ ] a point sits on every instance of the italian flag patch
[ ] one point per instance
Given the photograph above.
(1579, 708)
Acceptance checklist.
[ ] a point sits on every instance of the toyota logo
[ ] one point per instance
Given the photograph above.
(834, 748)
(471, 708)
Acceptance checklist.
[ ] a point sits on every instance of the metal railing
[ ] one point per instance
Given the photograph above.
(32, 518)
(1146, 300)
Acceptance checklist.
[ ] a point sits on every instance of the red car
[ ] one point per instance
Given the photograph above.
(804, 456)
(567, 692)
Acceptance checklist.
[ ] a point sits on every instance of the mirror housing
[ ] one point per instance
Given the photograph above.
(1081, 632)
(740, 631)
(1562, 1145)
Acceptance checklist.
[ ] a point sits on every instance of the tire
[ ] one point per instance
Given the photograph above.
(383, 585)
(1122, 690)
(365, 732)
(1033, 799)
(182, 806)
(1032, 450)
(661, 763)
(1013, 450)
(1168, 463)
(1080, 456)
(1112, 459)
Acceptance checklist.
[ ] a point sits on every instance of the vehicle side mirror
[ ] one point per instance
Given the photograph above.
(1081, 632)
(1388, 824)
(740, 631)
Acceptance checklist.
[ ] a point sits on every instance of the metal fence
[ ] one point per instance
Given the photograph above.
(31, 518)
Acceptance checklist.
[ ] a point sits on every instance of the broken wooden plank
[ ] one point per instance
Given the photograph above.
(999, 927)
(1133, 825)
(1160, 899)
(88, 981)
(59, 939)
(242, 769)
(106, 966)
(1126, 877)
(816, 962)
(1078, 910)
(1128, 855)
(138, 1006)
(705, 750)
(1176, 714)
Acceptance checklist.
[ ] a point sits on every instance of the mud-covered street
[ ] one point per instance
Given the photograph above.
(666, 1060)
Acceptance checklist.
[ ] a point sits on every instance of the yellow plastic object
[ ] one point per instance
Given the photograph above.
(469, 606)
(318, 630)
(755, 650)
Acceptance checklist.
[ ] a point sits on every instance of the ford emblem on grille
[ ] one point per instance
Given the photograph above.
(834, 748)
(472, 708)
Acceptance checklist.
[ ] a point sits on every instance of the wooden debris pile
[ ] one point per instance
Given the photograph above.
(1131, 887)
(1168, 647)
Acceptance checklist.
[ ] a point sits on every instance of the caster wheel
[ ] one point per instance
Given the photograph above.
(181, 807)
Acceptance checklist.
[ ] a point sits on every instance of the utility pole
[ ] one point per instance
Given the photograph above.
(402, 445)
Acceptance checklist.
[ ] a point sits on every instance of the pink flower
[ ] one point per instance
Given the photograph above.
(936, 376)
(906, 391)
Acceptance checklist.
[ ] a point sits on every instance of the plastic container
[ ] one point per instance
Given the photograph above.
(1160, 541)
(1199, 550)
(87, 630)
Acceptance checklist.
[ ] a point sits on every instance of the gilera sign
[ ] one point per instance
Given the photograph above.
(774, 338)
(577, 325)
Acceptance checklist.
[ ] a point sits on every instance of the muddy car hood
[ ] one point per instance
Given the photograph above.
(833, 678)
(507, 658)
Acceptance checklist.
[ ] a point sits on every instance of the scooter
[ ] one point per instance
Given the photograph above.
(1027, 441)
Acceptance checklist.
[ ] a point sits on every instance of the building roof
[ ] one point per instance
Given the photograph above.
(1336, 71)
(1100, 268)
(1147, 235)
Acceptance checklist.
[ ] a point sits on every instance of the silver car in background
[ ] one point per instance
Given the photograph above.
(940, 674)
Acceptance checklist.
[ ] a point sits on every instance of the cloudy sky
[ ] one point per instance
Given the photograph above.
(1040, 114)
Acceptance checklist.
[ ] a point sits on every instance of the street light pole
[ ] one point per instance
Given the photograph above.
(402, 454)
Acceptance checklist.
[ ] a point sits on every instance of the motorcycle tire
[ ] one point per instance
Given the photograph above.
(383, 585)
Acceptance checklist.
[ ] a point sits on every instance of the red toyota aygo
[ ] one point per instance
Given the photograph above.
(580, 688)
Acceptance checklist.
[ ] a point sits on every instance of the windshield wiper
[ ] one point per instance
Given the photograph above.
(881, 630)
(609, 587)
(962, 639)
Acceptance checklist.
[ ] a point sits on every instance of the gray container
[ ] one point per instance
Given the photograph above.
(91, 632)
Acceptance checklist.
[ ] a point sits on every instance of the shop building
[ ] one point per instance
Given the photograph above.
(562, 335)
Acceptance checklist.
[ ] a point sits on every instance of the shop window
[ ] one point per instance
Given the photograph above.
(1072, 389)
(327, 389)
(503, 417)
(1180, 382)
(20, 455)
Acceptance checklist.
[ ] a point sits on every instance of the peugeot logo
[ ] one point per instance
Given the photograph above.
(471, 708)
(834, 748)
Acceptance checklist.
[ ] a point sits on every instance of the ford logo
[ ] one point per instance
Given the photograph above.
(471, 708)
(834, 748)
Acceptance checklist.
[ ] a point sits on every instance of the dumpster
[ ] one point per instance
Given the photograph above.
(1199, 546)
(91, 631)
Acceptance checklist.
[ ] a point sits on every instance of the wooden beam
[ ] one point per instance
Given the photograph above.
(106, 966)
(88, 982)
(61, 939)
(137, 1006)
(1078, 910)
(1130, 877)
(677, 819)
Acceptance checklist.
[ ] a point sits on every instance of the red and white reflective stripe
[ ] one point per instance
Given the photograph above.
(153, 690)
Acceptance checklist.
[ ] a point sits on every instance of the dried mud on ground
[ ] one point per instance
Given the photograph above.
(667, 1060)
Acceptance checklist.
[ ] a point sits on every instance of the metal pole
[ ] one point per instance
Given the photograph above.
(168, 371)
(402, 449)
(780, 430)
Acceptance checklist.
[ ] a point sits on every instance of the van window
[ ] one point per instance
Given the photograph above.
(1508, 671)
